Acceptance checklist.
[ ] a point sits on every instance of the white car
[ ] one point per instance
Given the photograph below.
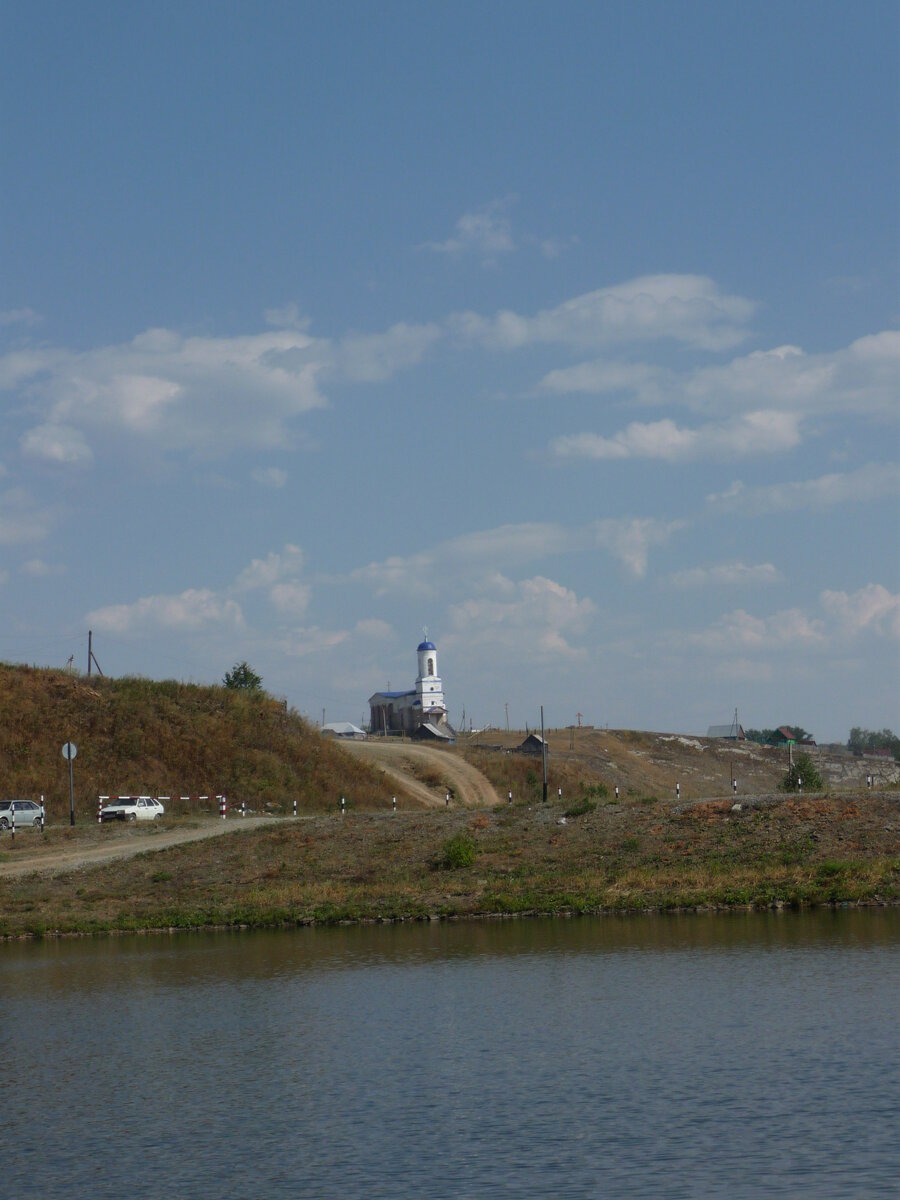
(132, 808)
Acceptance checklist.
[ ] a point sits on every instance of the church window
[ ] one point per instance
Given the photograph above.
(431, 666)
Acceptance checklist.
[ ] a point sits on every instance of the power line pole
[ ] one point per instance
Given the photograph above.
(506, 706)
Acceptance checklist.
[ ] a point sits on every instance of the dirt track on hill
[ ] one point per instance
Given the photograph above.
(426, 772)
(128, 843)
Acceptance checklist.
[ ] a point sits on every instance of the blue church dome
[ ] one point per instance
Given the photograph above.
(426, 646)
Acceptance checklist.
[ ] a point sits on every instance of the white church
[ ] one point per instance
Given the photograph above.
(419, 712)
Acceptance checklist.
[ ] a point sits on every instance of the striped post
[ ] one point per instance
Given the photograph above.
(243, 808)
(295, 806)
(617, 793)
(100, 800)
(677, 791)
(222, 807)
(447, 799)
(43, 815)
(510, 797)
(343, 805)
(12, 813)
(395, 803)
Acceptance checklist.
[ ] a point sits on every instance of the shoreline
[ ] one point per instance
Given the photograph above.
(640, 857)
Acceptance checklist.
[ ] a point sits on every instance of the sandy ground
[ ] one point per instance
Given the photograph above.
(31, 855)
(407, 764)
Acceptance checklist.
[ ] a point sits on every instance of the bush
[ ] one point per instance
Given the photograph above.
(805, 770)
(459, 851)
(580, 807)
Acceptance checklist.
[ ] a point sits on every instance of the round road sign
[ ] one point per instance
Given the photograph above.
(69, 750)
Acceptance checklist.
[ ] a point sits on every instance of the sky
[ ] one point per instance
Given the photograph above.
(568, 332)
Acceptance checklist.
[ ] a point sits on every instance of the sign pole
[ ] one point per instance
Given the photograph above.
(69, 751)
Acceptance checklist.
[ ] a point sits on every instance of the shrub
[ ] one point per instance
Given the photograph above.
(459, 851)
(580, 807)
(805, 770)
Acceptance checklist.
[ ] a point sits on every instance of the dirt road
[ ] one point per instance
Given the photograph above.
(427, 772)
(126, 843)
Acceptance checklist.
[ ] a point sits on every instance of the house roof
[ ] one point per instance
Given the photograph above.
(343, 729)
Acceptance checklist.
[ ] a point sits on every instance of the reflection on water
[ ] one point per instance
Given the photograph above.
(748, 1054)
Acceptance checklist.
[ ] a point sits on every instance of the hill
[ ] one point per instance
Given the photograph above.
(138, 736)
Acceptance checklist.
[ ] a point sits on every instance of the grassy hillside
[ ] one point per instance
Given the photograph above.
(167, 738)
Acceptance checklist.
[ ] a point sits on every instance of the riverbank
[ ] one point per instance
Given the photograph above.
(638, 855)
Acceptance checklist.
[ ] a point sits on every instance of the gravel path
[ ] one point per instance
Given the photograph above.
(129, 842)
(400, 760)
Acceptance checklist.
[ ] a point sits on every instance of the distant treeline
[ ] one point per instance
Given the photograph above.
(868, 741)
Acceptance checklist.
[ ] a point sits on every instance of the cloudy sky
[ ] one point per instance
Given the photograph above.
(567, 331)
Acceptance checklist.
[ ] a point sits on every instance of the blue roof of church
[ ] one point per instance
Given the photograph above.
(426, 646)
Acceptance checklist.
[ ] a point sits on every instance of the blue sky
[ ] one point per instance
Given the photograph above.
(569, 331)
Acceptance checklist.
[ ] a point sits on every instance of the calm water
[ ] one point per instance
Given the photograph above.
(748, 1055)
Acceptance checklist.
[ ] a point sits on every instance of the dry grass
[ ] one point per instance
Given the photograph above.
(166, 738)
(385, 866)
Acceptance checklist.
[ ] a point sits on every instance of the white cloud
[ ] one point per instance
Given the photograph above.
(273, 477)
(373, 628)
(274, 568)
(371, 358)
(604, 375)
(291, 598)
(629, 539)
(20, 520)
(685, 308)
(486, 232)
(288, 317)
(736, 574)
(753, 433)
(192, 610)
(859, 380)
(38, 569)
(20, 316)
(533, 617)
(57, 444)
(741, 631)
(301, 642)
(207, 395)
(871, 608)
(871, 482)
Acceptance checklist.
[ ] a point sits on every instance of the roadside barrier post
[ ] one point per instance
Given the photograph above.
(295, 807)
(243, 808)
(677, 791)
(222, 807)
(617, 793)
(43, 815)
(343, 805)
(799, 784)
(12, 813)
(559, 794)
(395, 803)
(447, 799)
(99, 810)
(509, 799)
(734, 787)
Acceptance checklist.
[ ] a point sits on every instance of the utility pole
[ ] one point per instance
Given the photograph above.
(506, 706)
(543, 755)
(92, 658)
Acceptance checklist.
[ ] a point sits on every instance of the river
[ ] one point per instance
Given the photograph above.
(684, 1056)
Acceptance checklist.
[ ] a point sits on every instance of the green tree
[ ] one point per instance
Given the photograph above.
(804, 771)
(242, 678)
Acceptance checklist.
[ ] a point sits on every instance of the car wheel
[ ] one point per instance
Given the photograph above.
(4, 824)
(131, 816)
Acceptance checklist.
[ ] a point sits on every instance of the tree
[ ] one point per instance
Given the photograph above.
(803, 771)
(242, 678)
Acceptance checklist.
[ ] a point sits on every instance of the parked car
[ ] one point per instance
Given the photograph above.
(27, 813)
(131, 808)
